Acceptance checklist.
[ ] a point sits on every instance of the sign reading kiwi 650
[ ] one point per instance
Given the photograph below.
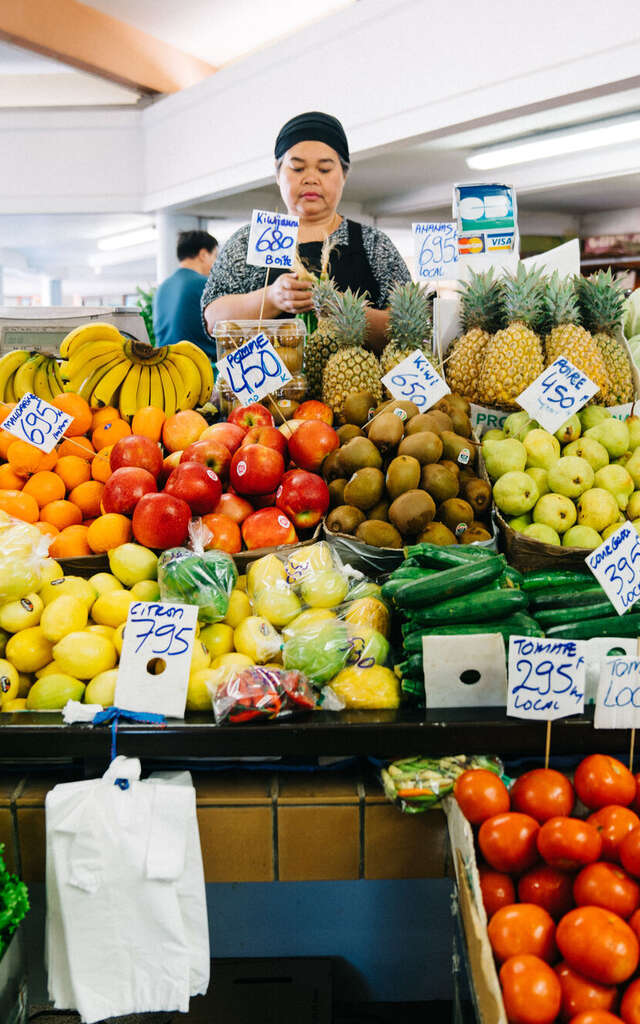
(415, 380)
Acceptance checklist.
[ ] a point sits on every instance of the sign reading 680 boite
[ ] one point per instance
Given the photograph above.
(272, 239)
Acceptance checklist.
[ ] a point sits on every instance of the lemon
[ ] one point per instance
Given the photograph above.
(200, 657)
(111, 609)
(118, 637)
(198, 695)
(217, 638)
(48, 670)
(103, 582)
(257, 638)
(9, 682)
(107, 631)
(50, 570)
(18, 704)
(241, 583)
(53, 692)
(29, 650)
(65, 614)
(368, 688)
(102, 688)
(17, 615)
(132, 563)
(308, 619)
(239, 608)
(84, 654)
(324, 589)
(146, 590)
(279, 605)
(265, 572)
(232, 660)
(76, 586)
(24, 686)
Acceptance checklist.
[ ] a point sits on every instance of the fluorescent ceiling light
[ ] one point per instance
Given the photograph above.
(556, 144)
(127, 238)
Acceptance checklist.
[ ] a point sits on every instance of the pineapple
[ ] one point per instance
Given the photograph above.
(321, 343)
(481, 303)
(567, 338)
(352, 367)
(409, 327)
(513, 357)
(601, 302)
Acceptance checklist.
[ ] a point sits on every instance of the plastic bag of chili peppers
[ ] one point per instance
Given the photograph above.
(257, 693)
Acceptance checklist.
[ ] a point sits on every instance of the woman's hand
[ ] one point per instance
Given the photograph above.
(290, 295)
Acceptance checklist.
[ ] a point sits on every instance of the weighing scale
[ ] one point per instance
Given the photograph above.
(42, 328)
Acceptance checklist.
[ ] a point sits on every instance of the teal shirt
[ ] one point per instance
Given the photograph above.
(176, 311)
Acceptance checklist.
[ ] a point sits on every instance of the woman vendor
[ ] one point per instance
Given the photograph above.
(312, 162)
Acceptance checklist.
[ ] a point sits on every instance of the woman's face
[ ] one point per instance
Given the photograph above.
(311, 180)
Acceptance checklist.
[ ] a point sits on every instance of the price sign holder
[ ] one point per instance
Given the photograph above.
(156, 636)
(435, 247)
(415, 380)
(272, 239)
(618, 697)
(253, 370)
(560, 391)
(546, 681)
(37, 422)
(616, 566)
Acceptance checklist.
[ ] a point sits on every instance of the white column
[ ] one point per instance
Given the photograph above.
(168, 225)
(55, 292)
(45, 290)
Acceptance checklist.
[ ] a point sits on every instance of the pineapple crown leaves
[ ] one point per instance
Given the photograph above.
(560, 303)
(409, 315)
(347, 315)
(524, 297)
(601, 301)
(481, 302)
(322, 291)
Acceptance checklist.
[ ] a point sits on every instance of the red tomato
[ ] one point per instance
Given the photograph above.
(630, 1005)
(634, 924)
(580, 994)
(508, 842)
(481, 794)
(543, 793)
(568, 843)
(600, 780)
(613, 823)
(497, 890)
(595, 1017)
(530, 989)
(549, 888)
(598, 944)
(630, 852)
(607, 885)
(522, 928)
(636, 802)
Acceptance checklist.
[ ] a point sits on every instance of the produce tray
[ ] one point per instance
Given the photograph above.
(245, 558)
(85, 566)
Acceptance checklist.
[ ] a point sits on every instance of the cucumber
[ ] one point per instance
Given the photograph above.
(449, 583)
(561, 616)
(481, 606)
(434, 556)
(543, 580)
(566, 597)
(611, 625)
(515, 625)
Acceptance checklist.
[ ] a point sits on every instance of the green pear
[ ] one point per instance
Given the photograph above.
(571, 476)
(582, 537)
(538, 531)
(515, 492)
(569, 431)
(633, 508)
(586, 448)
(622, 461)
(556, 511)
(617, 481)
(543, 449)
(633, 426)
(633, 467)
(597, 508)
(636, 525)
(502, 457)
(540, 476)
(593, 414)
(612, 434)
(494, 435)
(518, 425)
(609, 530)
(520, 523)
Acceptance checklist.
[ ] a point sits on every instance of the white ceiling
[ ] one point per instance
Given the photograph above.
(31, 80)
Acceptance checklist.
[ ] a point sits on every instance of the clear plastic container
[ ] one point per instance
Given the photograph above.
(286, 336)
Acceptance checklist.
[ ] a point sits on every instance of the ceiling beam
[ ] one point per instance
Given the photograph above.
(75, 34)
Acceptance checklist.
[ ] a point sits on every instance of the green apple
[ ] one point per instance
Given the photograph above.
(319, 651)
(582, 537)
(546, 534)
(494, 435)
(570, 430)
(518, 424)
(612, 434)
(617, 481)
(633, 508)
(597, 508)
(570, 476)
(367, 642)
(502, 457)
(592, 415)
(586, 448)
(543, 449)
(520, 523)
(556, 511)
(515, 493)
(633, 426)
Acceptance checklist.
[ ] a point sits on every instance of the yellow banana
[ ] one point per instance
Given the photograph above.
(87, 332)
(156, 393)
(201, 359)
(106, 392)
(94, 378)
(189, 375)
(143, 397)
(78, 373)
(23, 380)
(129, 391)
(182, 393)
(145, 354)
(168, 388)
(9, 363)
(56, 382)
(41, 381)
(9, 393)
(91, 350)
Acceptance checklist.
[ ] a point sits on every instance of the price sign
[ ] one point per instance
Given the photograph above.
(37, 422)
(156, 658)
(616, 566)
(618, 698)
(559, 392)
(272, 239)
(546, 680)
(415, 380)
(253, 370)
(436, 250)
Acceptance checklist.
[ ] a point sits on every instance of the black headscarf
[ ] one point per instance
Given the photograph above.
(313, 126)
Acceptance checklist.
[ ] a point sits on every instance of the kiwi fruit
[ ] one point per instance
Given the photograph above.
(411, 512)
(403, 474)
(379, 534)
(437, 533)
(336, 492)
(465, 473)
(386, 431)
(453, 401)
(478, 494)
(454, 446)
(441, 418)
(379, 511)
(423, 421)
(409, 407)
(424, 446)
(455, 513)
(453, 467)
(356, 454)
(344, 519)
(288, 407)
(474, 532)
(365, 488)
(356, 408)
(348, 431)
(439, 482)
(461, 423)
(331, 466)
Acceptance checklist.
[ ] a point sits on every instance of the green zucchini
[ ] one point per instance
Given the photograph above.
(446, 556)
(480, 606)
(561, 616)
(410, 572)
(447, 584)
(515, 625)
(513, 577)
(566, 597)
(611, 625)
(547, 578)
(410, 666)
(393, 584)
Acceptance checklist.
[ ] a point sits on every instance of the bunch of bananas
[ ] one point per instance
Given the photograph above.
(35, 372)
(106, 368)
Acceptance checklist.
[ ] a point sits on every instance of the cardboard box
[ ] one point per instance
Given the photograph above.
(318, 828)
(235, 818)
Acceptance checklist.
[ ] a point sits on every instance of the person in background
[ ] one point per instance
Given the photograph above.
(176, 304)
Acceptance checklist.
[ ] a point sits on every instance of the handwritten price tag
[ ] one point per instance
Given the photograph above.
(556, 394)
(156, 635)
(35, 421)
(254, 370)
(546, 678)
(272, 239)
(618, 698)
(436, 250)
(616, 566)
(415, 380)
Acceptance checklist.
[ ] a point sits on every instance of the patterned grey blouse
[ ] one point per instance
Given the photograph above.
(232, 275)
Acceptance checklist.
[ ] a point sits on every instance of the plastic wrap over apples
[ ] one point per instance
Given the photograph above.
(195, 576)
(22, 551)
(259, 693)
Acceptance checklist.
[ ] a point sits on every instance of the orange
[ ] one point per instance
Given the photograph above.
(109, 433)
(25, 459)
(101, 466)
(108, 532)
(47, 529)
(89, 522)
(75, 406)
(22, 506)
(87, 497)
(9, 480)
(107, 414)
(5, 440)
(70, 543)
(77, 446)
(148, 422)
(72, 470)
(45, 487)
(61, 514)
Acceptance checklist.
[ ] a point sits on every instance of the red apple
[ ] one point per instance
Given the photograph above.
(169, 464)
(270, 437)
(311, 442)
(228, 434)
(182, 429)
(199, 486)
(161, 521)
(225, 533)
(138, 451)
(304, 497)
(251, 416)
(268, 528)
(313, 410)
(264, 500)
(233, 506)
(256, 469)
(125, 487)
(210, 453)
